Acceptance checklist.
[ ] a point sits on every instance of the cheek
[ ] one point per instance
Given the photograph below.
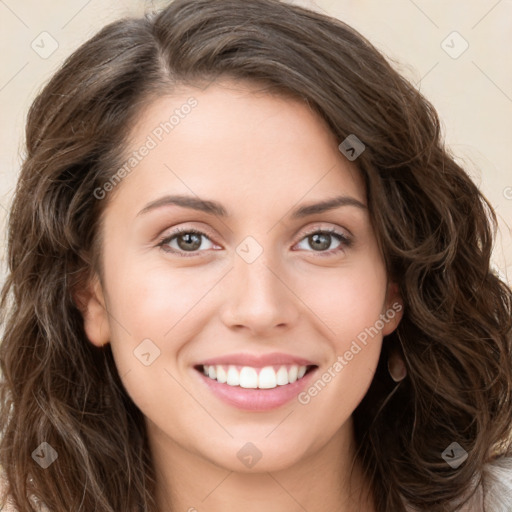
(347, 300)
(153, 313)
(154, 300)
(350, 307)
(166, 307)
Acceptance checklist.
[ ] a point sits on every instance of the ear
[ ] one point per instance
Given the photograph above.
(90, 301)
(393, 309)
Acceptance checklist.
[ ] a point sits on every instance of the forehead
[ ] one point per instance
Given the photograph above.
(239, 140)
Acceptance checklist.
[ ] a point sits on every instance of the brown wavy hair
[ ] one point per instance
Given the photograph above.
(434, 226)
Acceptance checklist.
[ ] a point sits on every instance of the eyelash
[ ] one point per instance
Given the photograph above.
(346, 242)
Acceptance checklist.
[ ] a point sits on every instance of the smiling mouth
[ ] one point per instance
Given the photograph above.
(267, 377)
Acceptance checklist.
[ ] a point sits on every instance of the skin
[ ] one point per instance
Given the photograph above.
(261, 156)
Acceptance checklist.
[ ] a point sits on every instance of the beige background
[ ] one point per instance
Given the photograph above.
(471, 91)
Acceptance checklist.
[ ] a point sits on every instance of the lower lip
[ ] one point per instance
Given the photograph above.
(257, 399)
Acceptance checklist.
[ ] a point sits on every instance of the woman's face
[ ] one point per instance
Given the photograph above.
(270, 281)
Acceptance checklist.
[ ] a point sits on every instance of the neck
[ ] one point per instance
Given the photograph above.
(324, 481)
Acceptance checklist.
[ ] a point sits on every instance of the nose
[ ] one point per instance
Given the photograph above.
(257, 297)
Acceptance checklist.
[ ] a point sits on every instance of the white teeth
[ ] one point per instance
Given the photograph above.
(221, 375)
(233, 377)
(248, 377)
(282, 376)
(267, 379)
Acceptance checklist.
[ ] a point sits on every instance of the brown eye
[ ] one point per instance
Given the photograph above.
(184, 241)
(321, 241)
(189, 241)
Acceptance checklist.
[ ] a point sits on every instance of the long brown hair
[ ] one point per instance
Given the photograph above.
(434, 226)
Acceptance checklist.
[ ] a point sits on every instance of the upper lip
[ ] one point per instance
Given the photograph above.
(257, 360)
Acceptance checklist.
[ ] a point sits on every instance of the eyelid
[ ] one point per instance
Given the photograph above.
(329, 229)
(167, 238)
(346, 239)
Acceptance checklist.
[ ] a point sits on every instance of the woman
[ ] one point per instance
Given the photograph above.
(245, 274)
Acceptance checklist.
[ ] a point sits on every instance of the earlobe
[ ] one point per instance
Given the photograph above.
(90, 301)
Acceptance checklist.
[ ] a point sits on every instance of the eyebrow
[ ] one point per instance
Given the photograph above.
(215, 208)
